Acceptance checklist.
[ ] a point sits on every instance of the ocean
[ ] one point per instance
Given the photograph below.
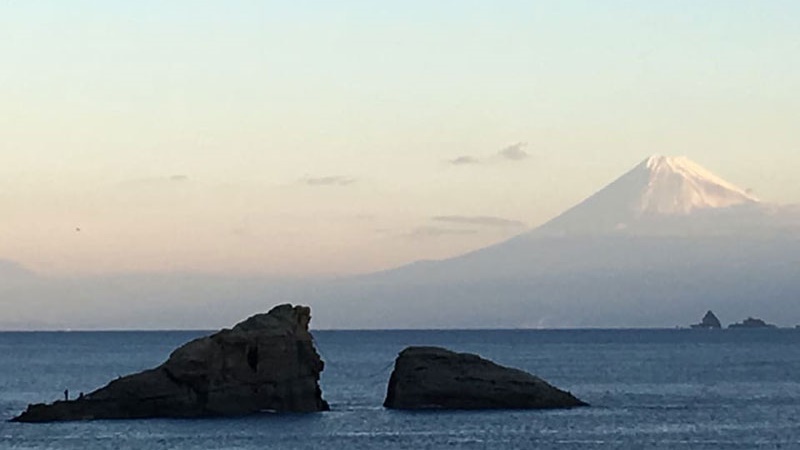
(660, 389)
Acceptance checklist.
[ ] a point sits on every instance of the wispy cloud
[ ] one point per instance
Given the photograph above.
(464, 160)
(335, 180)
(488, 221)
(429, 231)
(512, 153)
(153, 181)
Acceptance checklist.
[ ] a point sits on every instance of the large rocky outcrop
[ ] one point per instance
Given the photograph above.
(709, 321)
(267, 362)
(436, 378)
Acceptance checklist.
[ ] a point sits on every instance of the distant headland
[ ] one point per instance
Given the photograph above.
(711, 322)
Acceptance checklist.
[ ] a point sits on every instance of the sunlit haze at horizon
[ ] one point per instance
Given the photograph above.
(308, 138)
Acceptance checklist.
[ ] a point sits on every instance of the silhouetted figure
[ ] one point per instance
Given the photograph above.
(66, 395)
(80, 396)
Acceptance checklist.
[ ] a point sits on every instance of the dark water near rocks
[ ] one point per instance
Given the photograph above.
(688, 389)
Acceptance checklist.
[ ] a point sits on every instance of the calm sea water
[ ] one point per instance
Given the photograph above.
(687, 389)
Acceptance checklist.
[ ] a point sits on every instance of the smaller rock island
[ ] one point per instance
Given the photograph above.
(709, 321)
(265, 363)
(437, 378)
(751, 322)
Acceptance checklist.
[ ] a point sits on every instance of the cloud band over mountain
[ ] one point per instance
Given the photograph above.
(488, 221)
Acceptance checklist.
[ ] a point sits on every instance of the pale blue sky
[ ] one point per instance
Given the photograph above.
(101, 102)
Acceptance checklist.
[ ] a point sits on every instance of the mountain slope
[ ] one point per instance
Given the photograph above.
(658, 247)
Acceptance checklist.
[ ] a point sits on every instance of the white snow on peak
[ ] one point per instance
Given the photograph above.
(678, 186)
(654, 193)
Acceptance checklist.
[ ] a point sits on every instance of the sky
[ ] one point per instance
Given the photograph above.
(324, 138)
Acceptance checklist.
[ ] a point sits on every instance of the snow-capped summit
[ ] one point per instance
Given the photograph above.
(659, 189)
(676, 185)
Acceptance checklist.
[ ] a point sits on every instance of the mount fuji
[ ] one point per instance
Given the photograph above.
(658, 247)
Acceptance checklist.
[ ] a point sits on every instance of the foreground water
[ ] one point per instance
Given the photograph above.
(649, 389)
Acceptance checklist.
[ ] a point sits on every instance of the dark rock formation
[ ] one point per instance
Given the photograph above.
(267, 362)
(752, 323)
(436, 378)
(709, 321)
